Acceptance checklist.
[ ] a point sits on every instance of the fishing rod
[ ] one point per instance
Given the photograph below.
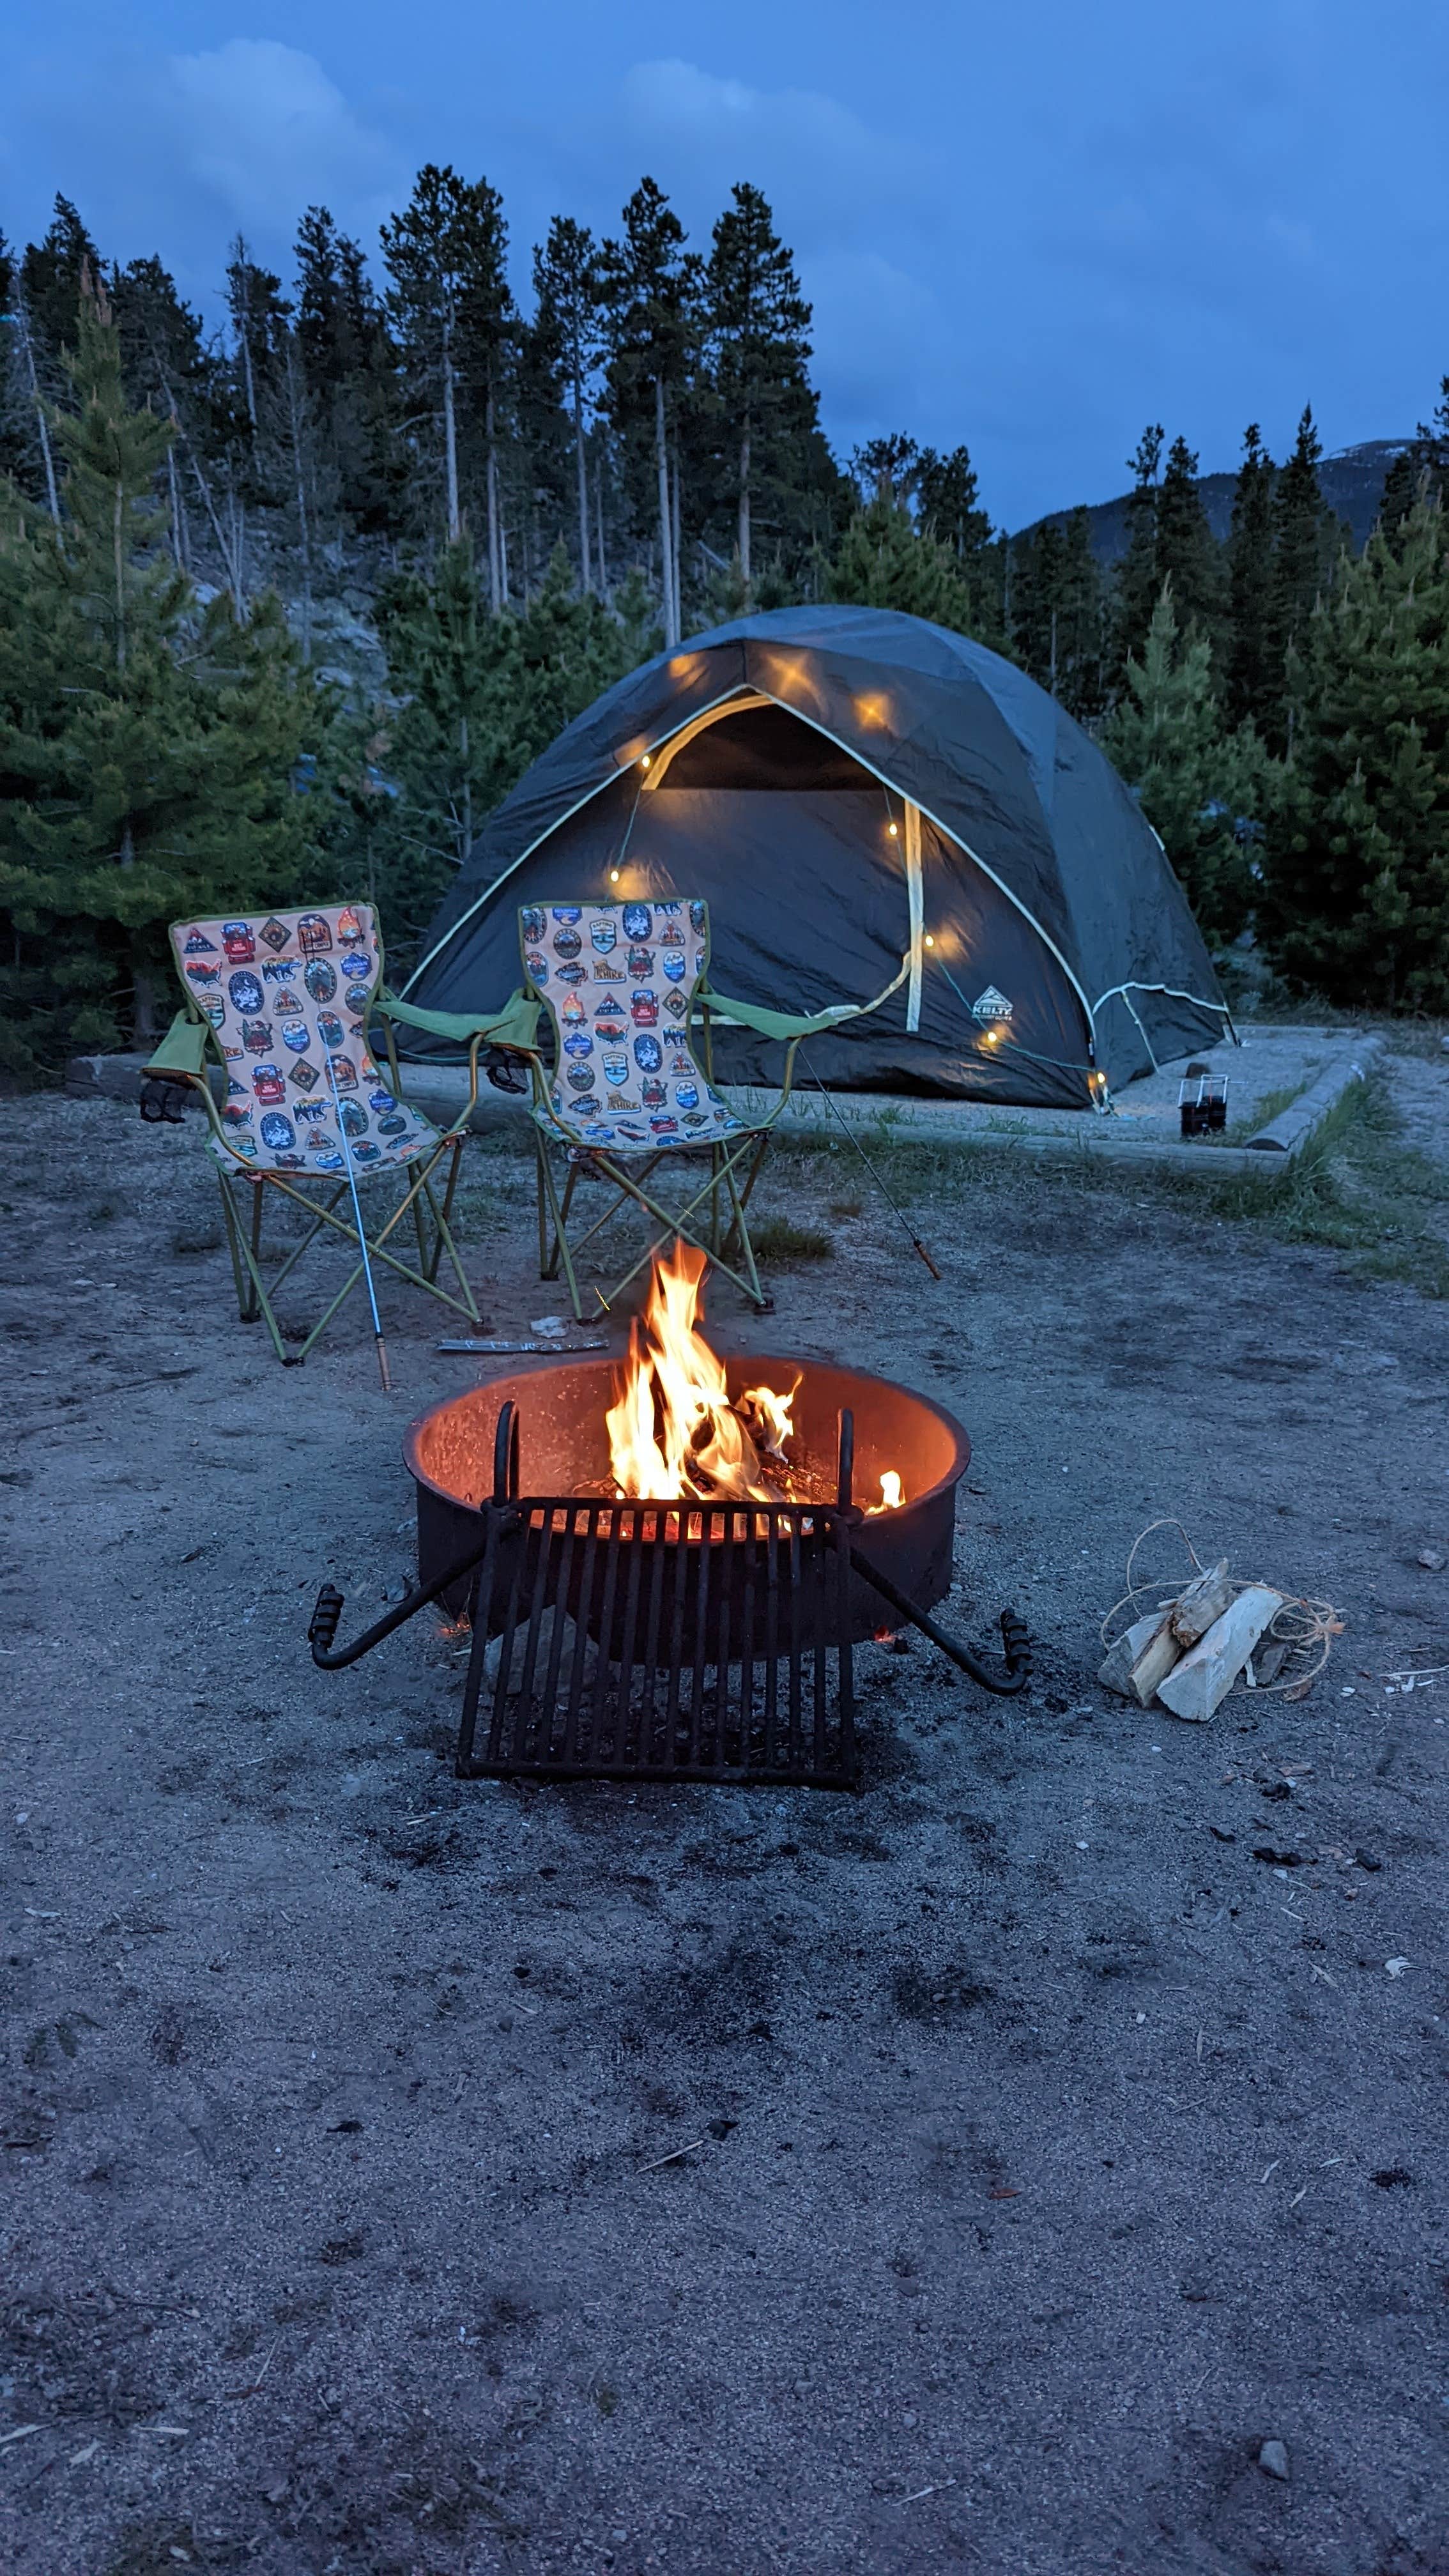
(361, 1236)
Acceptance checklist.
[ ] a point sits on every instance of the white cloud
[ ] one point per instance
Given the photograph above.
(821, 161)
(267, 132)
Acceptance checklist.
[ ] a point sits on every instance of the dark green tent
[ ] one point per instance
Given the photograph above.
(869, 805)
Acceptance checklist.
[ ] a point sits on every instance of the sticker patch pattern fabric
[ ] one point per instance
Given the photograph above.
(287, 996)
(617, 980)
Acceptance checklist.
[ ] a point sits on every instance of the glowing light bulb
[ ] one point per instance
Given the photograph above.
(990, 1038)
(644, 763)
(891, 828)
(613, 876)
(930, 942)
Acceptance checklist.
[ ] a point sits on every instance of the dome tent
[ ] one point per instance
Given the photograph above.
(872, 806)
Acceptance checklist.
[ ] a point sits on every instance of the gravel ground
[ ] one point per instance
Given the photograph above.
(1047, 2152)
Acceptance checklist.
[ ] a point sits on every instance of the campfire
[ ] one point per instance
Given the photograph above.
(666, 1564)
(676, 1433)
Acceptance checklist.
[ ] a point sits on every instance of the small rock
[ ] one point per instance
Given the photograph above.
(1396, 1967)
(1273, 2460)
(1366, 1859)
(1430, 1558)
(276, 2491)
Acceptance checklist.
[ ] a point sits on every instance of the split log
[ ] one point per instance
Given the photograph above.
(1204, 1677)
(1143, 1656)
(1204, 1601)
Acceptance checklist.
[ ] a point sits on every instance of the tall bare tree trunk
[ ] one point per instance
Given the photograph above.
(42, 423)
(497, 575)
(118, 561)
(450, 431)
(584, 580)
(601, 558)
(297, 426)
(666, 530)
(465, 837)
(229, 548)
(675, 550)
(744, 535)
(244, 331)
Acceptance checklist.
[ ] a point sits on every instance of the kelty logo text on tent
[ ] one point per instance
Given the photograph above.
(991, 1005)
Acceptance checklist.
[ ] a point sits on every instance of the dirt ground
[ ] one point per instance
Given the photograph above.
(1047, 2151)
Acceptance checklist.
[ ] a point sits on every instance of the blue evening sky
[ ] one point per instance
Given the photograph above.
(1032, 227)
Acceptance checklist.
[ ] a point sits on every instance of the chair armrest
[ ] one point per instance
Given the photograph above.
(182, 1051)
(783, 1025)
(516, 1025)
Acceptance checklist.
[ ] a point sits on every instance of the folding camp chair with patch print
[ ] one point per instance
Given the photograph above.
(286, 1002)
(622, 984)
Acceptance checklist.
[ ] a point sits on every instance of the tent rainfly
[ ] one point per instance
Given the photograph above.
(876, 811)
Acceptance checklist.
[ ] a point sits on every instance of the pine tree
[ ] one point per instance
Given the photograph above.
(1058, 629)
(1138, 585)
(446, 255)
(757, 324)
(1254, 670)
(147, 746)
(1357, 893)
(1187, 552)
(52, 271)
(566, 289)
(1305, 540)
(651, 289)
(26, 452)
(1206, 789)
(480, 698)
(883, 562)
(349, 371)
(949, 509)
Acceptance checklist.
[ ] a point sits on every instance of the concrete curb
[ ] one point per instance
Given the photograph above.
(1289, 1132)
(881, 1120)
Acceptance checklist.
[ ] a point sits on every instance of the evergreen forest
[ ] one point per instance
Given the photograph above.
(287, 605)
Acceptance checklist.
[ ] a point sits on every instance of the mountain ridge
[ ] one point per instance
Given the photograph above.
(1351, 481)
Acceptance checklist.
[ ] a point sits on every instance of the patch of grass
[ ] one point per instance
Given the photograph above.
(1356, 1189)
(779, 1238)
(1262, 1114)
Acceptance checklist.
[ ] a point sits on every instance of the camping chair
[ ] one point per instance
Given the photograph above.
(621, 983)
(286, 1002)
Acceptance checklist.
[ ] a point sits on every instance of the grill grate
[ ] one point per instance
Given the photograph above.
(660, 1641)
(704, 1641)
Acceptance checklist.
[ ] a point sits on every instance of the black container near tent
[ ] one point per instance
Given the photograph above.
(870, 805)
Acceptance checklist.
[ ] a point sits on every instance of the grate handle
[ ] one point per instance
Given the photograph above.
(1015, 1643)
(326, 1617)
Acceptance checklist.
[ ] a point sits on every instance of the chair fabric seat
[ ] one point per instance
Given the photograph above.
(618, 981)
(287, 997)
(709, 1122)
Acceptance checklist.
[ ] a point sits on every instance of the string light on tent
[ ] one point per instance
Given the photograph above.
(644, 763)
(613, 876)
(893, 830)
(930, 939)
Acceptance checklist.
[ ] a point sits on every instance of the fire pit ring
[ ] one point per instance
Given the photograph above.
(563, 1450)
(704, 1638)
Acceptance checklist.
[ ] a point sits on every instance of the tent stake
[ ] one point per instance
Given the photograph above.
(875, 1176)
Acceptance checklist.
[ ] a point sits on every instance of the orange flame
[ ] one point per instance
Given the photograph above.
(675, 1432)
